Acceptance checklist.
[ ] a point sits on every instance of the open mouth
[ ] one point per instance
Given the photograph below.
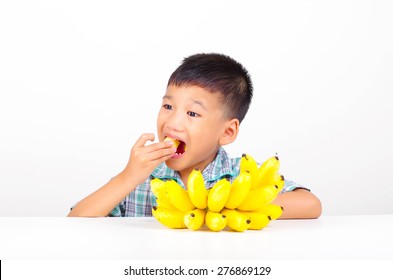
(180, 146)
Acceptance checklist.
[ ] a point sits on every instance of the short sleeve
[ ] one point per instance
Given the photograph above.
(291, 186)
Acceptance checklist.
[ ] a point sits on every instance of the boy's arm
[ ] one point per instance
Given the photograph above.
(101, 202)
(142, 161)
(299, 204)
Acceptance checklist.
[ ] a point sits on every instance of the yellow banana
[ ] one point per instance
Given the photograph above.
(258, 198)
(258, 220)
(248, 164)
(178, 196)
(239, 190)
(236, 220)
(267, 172)
(272, 210)
(279, 181)
(158, 187)
(197, 190)
(276, 179)
(195, 219)
(218, 195)
(169, 217)
(275, 211)
(176, 142)
(215, 221)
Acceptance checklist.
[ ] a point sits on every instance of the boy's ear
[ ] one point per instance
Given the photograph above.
(231, 130)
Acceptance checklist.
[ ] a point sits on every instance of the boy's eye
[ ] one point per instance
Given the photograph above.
(193, 114)
(167, 106)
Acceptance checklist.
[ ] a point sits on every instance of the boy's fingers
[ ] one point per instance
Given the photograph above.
(158, 157)
(158, 146)
(165, 152)
(162, 159)
(154, 152)
(143, 139)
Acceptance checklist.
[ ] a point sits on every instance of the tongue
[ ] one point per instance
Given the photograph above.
(181, 148)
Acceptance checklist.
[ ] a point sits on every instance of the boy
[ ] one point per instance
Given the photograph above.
(206, 99)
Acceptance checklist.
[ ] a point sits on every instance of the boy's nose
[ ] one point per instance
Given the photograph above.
(175, 122)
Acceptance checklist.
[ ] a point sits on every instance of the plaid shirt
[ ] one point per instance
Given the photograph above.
(139, 203)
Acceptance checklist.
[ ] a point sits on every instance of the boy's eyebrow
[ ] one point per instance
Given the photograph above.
(199, 103)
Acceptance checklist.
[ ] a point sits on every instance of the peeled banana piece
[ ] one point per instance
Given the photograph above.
(176, 142)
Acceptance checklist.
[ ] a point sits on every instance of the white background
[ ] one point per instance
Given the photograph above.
(81, 80)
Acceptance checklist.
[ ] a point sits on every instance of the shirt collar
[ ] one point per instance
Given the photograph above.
(220, 167)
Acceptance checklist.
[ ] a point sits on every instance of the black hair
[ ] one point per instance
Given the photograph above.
(217, 73)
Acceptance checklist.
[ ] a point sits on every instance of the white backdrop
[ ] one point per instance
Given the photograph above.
(81, 80)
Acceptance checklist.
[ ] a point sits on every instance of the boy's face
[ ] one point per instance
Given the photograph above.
(194, 116)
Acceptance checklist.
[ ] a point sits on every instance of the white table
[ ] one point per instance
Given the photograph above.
(360, 237)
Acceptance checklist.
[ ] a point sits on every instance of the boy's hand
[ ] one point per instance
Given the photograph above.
(144, 158)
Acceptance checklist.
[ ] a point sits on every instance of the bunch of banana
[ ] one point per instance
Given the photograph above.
(244, 204)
